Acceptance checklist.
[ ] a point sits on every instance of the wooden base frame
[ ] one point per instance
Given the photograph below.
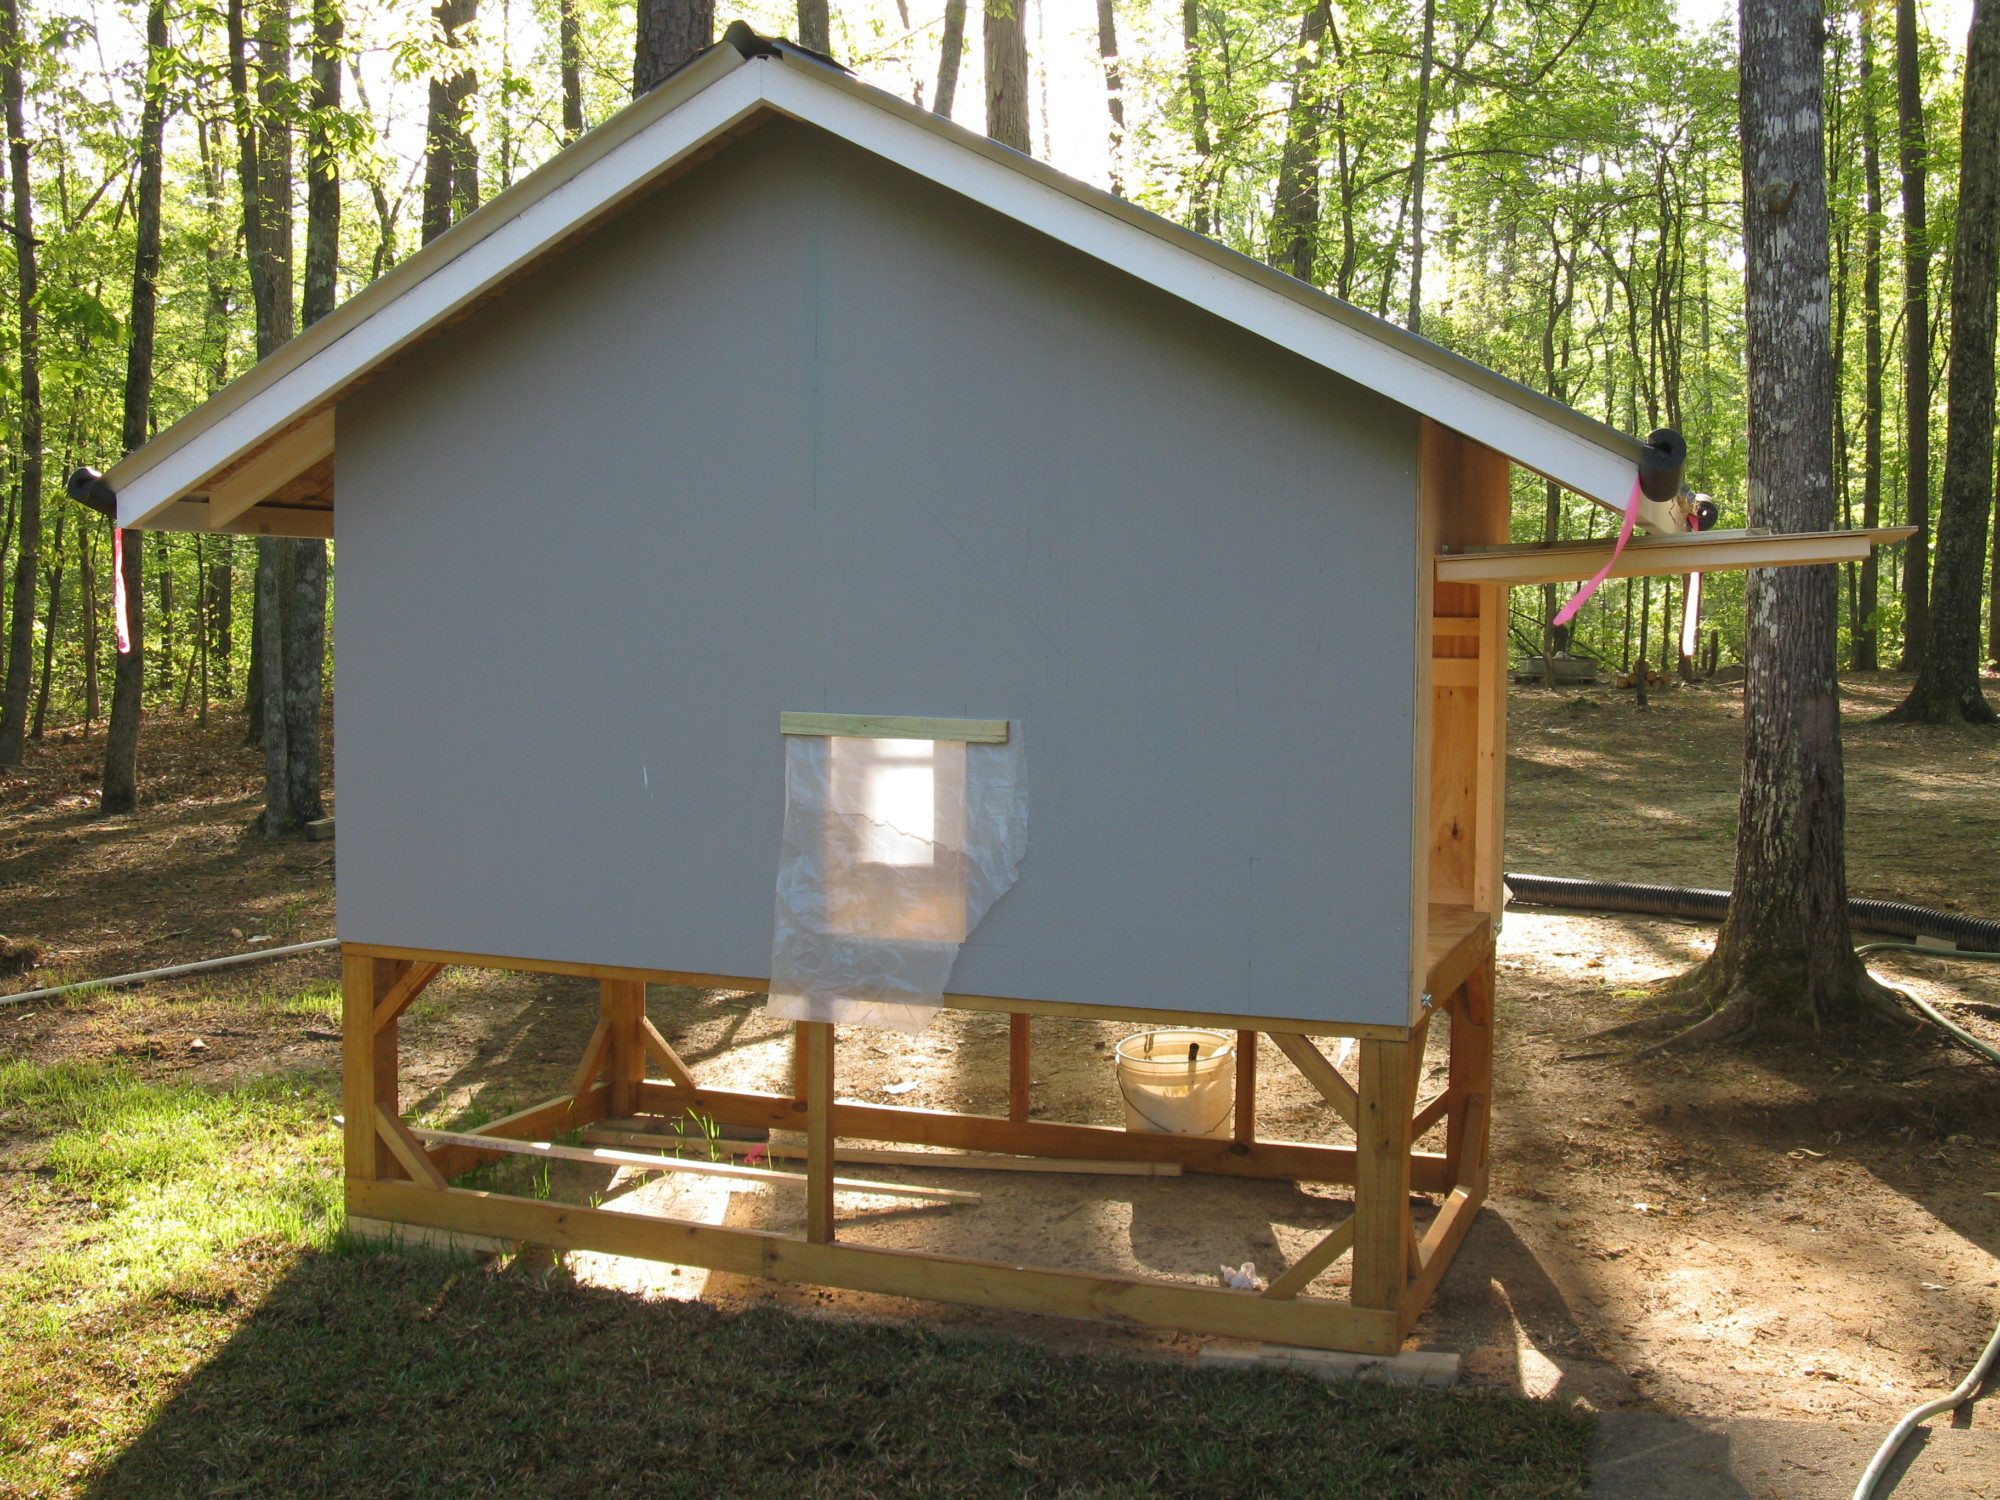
(395, 1178)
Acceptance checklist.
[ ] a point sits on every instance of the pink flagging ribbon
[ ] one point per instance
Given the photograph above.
(1582, 595)
(118, 601)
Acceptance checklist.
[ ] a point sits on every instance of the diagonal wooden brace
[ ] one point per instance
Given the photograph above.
(405, 987)
(1321, 1074)
(1307, 1267)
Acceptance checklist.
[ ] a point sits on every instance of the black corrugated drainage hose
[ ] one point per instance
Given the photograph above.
(1896, 917)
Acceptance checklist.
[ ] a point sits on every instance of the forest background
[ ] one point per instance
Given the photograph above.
(1551, 187)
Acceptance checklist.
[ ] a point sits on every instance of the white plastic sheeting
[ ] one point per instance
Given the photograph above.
(893, 851)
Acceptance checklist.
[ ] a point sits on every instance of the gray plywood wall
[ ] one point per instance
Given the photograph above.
(802, 432)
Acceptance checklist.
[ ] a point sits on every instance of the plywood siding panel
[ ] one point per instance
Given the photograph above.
(807, 434)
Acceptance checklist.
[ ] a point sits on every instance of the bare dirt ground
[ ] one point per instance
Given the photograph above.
(1784, 1232)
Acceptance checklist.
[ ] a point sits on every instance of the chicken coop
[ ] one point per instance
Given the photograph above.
(783, 484)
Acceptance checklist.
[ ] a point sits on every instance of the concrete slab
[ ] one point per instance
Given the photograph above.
(1651, 1456)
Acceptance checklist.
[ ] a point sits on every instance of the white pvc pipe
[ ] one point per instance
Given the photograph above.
(198, 966)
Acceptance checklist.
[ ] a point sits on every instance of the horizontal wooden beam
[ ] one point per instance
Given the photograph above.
(1296, 1161)
(1691, 552)
(890, 727)
(1218, 1311)
(652, 1162)
(1056, 1009)
(929, 1161)
(259, 520)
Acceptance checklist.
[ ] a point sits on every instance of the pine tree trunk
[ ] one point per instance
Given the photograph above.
(951, 51)
(1916, 334)
(569, 51)
(1866, 655)
(815, 26)
(669, 33)
(451, 176)
(87, 581)
(27, 555)
(1785, 954)
(1114, 89)
(1420, 159)
(1201, 207)
(273, 588)
(1947, 687)
(1295, 210)
(305, 600)
(51, 627)
(1006, 41)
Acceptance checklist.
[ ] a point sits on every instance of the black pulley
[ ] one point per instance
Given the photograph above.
(1706, 514)
(1661, 465)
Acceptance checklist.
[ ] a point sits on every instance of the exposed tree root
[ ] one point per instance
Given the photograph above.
(1707, 1008)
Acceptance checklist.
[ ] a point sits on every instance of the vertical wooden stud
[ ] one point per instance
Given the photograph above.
(1246, 1087)
(1017, 1067)
(1382, 1174)
(622, 1005)
(798, 1061)
(1471, 1075)
(816, 1064)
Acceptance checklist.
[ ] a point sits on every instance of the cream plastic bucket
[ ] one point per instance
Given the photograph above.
(1168, 1091)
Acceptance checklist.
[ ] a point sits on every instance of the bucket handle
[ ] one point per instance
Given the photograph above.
(1126, 1094)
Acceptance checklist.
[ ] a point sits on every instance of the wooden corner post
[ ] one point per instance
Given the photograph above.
(1382, 1174)
(367, 1066)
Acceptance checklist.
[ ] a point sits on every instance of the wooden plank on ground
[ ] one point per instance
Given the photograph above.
(602, 1156)
(1219, 1311)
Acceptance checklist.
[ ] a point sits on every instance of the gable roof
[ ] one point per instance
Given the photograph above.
(265, 441)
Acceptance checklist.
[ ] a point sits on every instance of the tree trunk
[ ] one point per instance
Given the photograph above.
(815, 26)
(1785, 954)
(1006, 41)
(267, 193)
(1419, 160)
(273, 587)
(305, 600)
(451, 167)
(1916, 334)
(569, 49)
(951, 50)
(163, 657)
(323, 166)
(669, 33)
(1866, 655)
(1201, 215)
(51, 627)
(1114, 88)
(87, 581)
(27, 555)
(1295, 212)
(1947, 686)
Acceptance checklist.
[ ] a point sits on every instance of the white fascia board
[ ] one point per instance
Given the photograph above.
(1572, 460)
(146, 496)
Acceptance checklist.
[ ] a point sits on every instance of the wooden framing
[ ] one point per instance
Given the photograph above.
(399, 1178)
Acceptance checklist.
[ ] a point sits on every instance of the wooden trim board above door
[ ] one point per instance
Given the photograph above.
(1703, 552)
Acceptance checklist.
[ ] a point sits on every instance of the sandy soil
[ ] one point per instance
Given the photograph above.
(1777, 1232)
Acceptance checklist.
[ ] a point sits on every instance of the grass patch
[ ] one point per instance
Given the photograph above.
(315, 1002)
(365, 1374)
(205, 1330)
(174, 1174)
